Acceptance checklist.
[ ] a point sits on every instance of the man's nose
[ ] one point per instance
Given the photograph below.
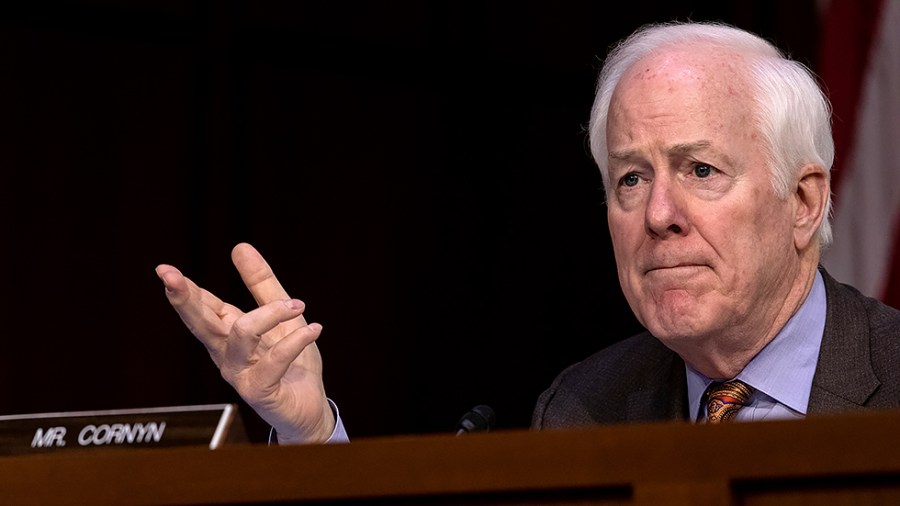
(665, 214)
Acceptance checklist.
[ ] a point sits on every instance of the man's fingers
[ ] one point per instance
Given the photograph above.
(247, 331)
(286, 351)
(258, 276)
(175, 283)
(204, 314)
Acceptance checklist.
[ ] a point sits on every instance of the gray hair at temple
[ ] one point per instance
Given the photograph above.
(793, 114)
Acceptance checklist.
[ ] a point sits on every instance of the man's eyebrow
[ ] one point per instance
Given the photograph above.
(690, 147)
(680, 149)
(623, 155)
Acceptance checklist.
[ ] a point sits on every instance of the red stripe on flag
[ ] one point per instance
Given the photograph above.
(848, 28)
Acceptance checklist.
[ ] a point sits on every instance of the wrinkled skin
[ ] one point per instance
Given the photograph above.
(711, 260)
(268, 354)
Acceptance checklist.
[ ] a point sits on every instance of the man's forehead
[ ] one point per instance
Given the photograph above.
(699, 64)
(685, 98)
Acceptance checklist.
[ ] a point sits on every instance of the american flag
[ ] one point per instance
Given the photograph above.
(860, 68)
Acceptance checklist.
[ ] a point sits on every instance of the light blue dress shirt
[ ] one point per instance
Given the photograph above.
(339, 435)
(782, 373)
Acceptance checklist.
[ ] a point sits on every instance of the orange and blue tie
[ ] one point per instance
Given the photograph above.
(723, 400)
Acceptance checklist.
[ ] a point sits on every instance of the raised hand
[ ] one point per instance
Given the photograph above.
(268, 354)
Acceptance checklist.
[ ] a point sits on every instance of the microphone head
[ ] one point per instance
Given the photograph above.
(479, 419)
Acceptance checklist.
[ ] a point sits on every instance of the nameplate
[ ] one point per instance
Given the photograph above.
(204, 425)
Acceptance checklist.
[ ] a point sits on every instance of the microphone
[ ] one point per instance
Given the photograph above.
(479, 419)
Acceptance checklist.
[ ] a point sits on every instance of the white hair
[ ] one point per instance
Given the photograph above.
(792, 113)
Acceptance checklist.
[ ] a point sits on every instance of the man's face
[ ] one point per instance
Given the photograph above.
(703, 245)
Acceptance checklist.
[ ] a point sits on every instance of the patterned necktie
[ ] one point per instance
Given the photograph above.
(723, 400)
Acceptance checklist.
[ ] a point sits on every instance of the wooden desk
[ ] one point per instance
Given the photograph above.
(846, 460)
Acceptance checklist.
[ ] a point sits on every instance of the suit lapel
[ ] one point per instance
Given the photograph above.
(662, 397)
(844, 379)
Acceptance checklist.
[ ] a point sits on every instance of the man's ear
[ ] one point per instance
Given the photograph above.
(810, 196)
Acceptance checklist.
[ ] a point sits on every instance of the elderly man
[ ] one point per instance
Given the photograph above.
(715, 153)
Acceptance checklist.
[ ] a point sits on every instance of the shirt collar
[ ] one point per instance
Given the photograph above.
(785, 367)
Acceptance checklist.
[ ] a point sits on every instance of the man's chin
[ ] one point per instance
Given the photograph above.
(676, 323)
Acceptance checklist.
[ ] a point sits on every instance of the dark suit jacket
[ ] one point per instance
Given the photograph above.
(640, 380)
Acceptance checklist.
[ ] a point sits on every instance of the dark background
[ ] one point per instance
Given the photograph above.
(416, 171)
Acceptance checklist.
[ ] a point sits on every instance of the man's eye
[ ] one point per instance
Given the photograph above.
(629, 180)
(703, 170)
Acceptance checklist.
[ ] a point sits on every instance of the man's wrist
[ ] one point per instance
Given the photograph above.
(338, 432)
